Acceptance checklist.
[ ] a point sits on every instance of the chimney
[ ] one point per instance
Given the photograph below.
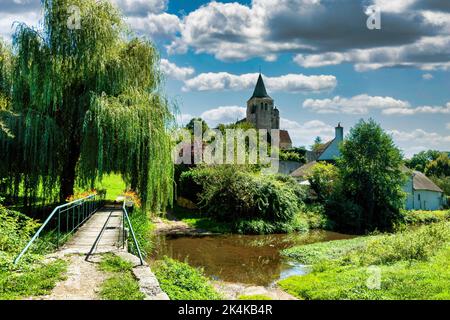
(339, 133)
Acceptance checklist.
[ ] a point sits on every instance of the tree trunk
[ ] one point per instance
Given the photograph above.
(68, 174)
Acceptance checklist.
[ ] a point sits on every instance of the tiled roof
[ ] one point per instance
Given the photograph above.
(285, 137)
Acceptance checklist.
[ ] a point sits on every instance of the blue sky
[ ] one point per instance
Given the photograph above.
(320, 62)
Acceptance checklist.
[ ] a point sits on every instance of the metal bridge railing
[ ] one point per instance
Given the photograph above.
(66, 218)
(126, 219)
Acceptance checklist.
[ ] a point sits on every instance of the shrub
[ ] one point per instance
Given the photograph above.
(251, 202)
(142, 227)
(183, 282)
(16, 230)
(322, 178)
(416, 217)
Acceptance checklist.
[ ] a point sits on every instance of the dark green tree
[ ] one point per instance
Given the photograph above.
(190, 125)
(420, 160)
(440, 167)
(85, 101)
(370, 179)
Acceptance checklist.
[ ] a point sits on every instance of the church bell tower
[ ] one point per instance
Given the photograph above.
(260, 108)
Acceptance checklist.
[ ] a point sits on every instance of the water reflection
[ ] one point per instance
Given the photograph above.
(240, 258)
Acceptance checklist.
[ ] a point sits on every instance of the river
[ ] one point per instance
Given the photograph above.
(248, 259)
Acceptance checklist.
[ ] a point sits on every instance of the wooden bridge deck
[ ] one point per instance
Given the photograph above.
(100, 234)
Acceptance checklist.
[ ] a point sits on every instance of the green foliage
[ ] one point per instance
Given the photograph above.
(253, 203)
(142, 227)
(413, 265)
(16, 230)
(408, 245)
(294, 154)
(418, 217)
(322, 178)
(420, 160)
(113, 263)
(183, 282)
(443, 183)
(322, 251)
(121, 287)
(190, 125)
(86, 103)
(369, 192)
(37, 280)
(315, 216)
(440, 167)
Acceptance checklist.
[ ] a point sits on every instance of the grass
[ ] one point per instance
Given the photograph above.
(316, 252)
(183, 282)
(121, 285)
(195, 220)
(412, 264)
(39, 279)
(254, 297)
(112, 183)
(113, 263)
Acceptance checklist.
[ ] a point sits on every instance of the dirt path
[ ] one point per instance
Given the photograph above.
(83, 280)
(232, 291)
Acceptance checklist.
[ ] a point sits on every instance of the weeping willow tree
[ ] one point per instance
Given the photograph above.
(85, 102)
(5, 83)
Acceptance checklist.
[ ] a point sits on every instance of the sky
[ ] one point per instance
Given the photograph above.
(320, 61)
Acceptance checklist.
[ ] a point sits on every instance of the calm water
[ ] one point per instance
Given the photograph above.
(241, 258)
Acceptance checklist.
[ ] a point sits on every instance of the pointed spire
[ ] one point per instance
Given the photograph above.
(260, 89)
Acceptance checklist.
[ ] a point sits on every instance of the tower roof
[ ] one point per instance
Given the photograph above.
(260, 89)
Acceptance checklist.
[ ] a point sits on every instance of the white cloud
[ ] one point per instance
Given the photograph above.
(182, 119)
(425, 54)
(304, 134)
(419, 110)
(286, 83)
(173, 71)
(139, 7)
(8, 20)
(360, 104)
(223, 114)
(427, 76)
(418, 140)
(163, 26)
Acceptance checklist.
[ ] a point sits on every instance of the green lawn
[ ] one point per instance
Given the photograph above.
(411, 264)
(121, 285)
(37, 280)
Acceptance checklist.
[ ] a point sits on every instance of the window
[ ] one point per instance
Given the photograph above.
(418, 197)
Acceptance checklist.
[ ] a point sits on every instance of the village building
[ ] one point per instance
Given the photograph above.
(422, 193)
(263, 114)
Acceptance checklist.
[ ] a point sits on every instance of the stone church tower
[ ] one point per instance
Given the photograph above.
(261, 111)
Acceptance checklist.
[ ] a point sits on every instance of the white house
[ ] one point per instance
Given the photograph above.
(330, 150)
(422, 193)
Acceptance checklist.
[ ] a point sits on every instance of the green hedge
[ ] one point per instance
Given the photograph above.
(254, 203)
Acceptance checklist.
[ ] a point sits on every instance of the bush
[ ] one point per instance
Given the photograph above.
(16, 230)
(183, 282)
(142, 227)
(416, 217)
(253, 203)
